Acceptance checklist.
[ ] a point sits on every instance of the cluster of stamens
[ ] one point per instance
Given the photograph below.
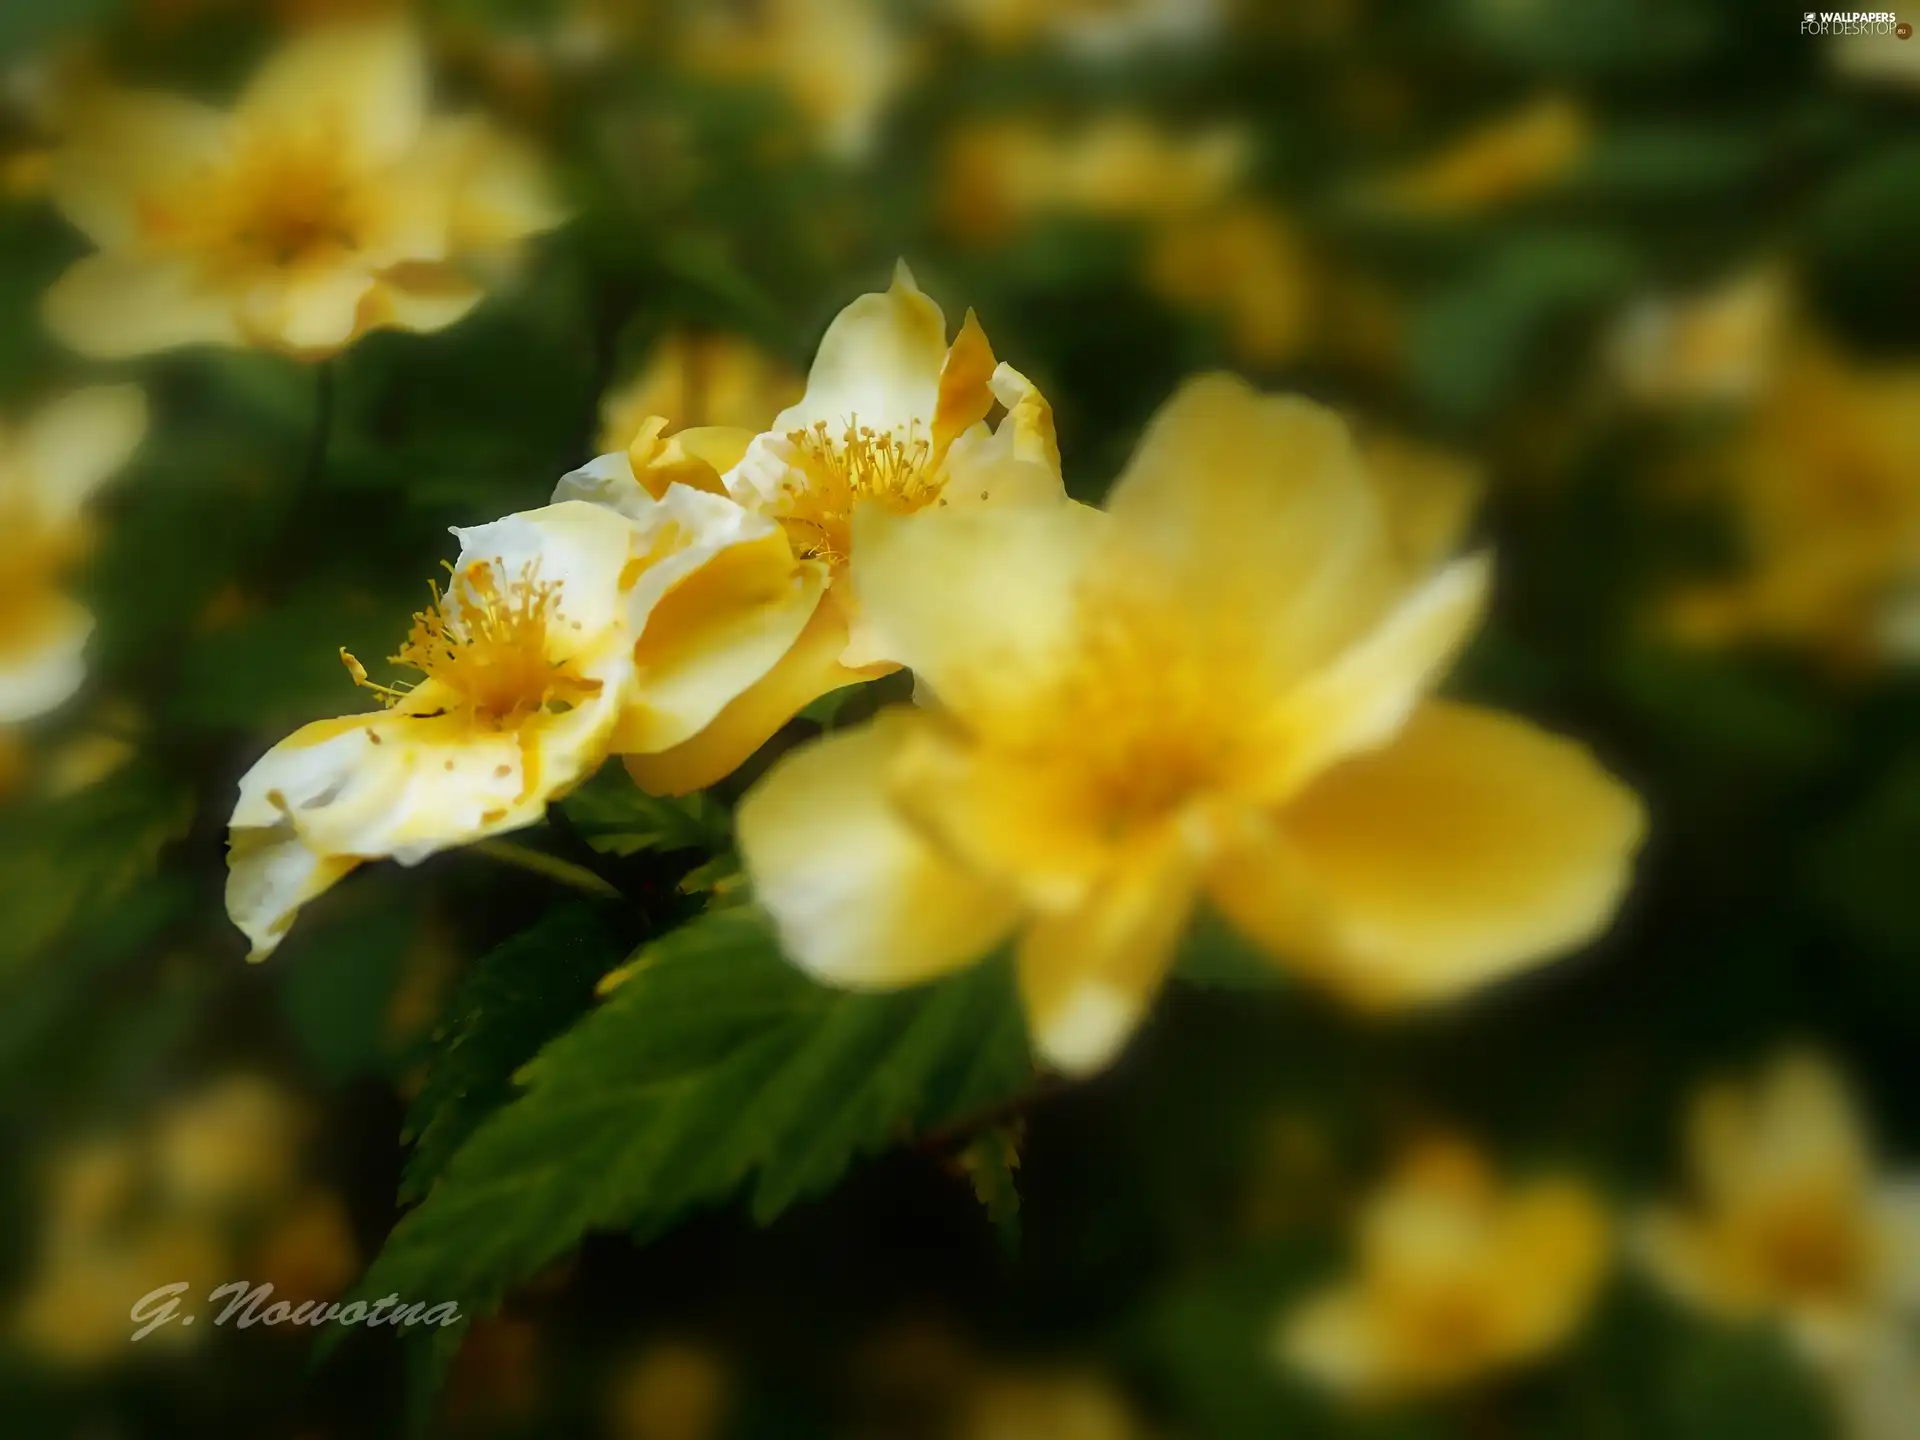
(859, 464)
(485, 644)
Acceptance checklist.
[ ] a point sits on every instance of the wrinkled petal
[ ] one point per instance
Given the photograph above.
(860, 897)
(359, 87)
(584, 549)
(1088, 975)
(980, 602)
(811, 668)
(114, 306)
(879, 363)
(130, 152)
(965, 394)
(1472, 844)
(270, 875)
(712, 636)
(1254, 509)
(77, 442)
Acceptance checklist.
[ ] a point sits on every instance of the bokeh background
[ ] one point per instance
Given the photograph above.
(1639, 275)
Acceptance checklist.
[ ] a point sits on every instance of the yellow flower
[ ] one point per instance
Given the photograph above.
(1824, 480)
(840, 61)
(49, 467)
(1245, 264)
(694, 380)
(1506, 160)
(1216, 687)
(1721, 346)
(1119, 166)
(1456, 1280)
(562, 631)
(893, 421)
(1787, 1218)
(327, 204)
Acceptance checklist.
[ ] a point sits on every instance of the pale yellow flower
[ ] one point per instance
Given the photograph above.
(1457, 1278)
(692, 380)
(893, 421)
(1788, 1217)
(1823, 478)
(1246, 265)
(1505, 160)
(328, 203)
(563, 632)
(1718, 347)
(233, 1144)
(49, 467)
(1217, 687)
(1003, 174)
(840, 61)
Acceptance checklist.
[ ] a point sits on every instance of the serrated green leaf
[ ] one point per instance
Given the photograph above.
(713, 1065)
(619, 818)
(514, 1000)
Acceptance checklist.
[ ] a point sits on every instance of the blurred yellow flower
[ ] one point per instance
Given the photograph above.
(893, 421)
(173, 1198)
(565, 633)
(693, 380)
(1001, 175)
(1045, 1405)
(1787, 1218)
(840, 61)
(49, 467)
(328, 203)
(1493, 165)
(1823, 478)
(1216, 687)
(1456, 1279)
(1245, 265)
(1719, 347)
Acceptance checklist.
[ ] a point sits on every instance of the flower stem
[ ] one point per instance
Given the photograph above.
(525, 857)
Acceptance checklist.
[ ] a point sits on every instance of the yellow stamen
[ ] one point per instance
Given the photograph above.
(485, 644)
(859, 464)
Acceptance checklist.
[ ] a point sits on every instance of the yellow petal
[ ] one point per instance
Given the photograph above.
(127, 149)
(712, 636)
(1022, 822)
(810, 668)
(980, 602)
(41, 661)
(418, 297)
(77, 442)
(114, 306)
(311, 312)
(1088, 975)
(1470, 845)
(270, 875)
(1230, 489)
(965, 393)
(879, 363)
(1332, 1340)
(505, 193)
(860, 897)
(361, 88)
(1364, 696)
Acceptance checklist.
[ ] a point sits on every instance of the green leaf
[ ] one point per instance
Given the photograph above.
(990, 1161)
(514, 1000)
(714, 1066)
(28, 25)
(1217, 957)
(619, 818)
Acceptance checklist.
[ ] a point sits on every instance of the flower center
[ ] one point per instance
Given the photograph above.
(858, 464)
(1813, 1247)
(279, 204)
(484, 646)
